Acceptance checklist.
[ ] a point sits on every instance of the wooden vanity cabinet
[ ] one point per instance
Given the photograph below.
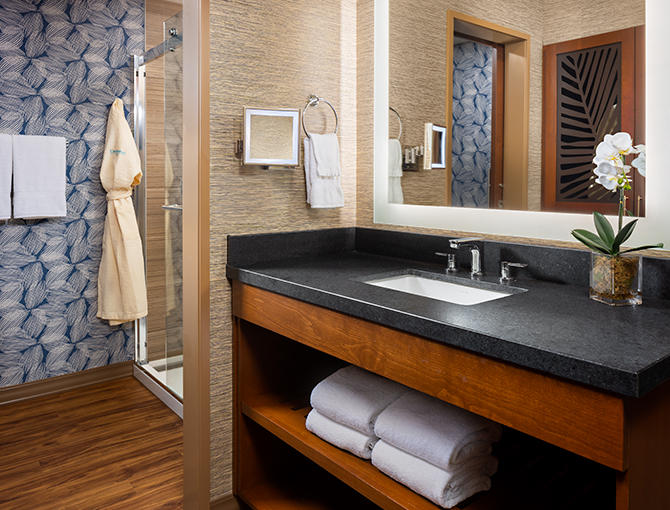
(564, 445)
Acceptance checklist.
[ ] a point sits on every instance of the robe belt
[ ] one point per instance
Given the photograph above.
(119, 194)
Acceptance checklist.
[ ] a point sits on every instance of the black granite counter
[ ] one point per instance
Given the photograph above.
(553, 327)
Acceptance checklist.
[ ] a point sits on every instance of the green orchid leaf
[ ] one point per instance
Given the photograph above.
(623, 235)
(646, 247)
(604, 228)
(591, 240)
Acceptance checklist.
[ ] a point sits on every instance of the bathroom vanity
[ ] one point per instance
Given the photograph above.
(580, 387)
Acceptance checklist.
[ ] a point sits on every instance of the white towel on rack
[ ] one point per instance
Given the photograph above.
(442, 434)
(354, 397)
(327, 154)
(322, 192)
(5, 177)
(395, 172)
(442, 487)
(340, 435)
(39, 176)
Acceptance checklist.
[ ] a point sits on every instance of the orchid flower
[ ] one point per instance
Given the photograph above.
(641, 161)
(608, 175)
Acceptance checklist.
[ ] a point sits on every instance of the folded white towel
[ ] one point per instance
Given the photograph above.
(395, 158)
(340, 435)
(322, 192)
(442, 487)
(327, 154)
(354, 397)
(5, 177)
(436, 431)
(39, 176)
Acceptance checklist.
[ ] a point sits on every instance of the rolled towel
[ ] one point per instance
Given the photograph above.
(322, 192)
(39, 176)
(340, 435)
(5, 177)
(442, 487)
(436, 431)
(354, 397)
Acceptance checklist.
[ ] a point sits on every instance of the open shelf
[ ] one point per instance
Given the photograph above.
(532, 474)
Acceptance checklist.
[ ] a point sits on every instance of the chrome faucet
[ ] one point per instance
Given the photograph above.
(475, 257)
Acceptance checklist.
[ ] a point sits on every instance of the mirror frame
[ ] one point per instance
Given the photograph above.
(540, 225)
(293, 114)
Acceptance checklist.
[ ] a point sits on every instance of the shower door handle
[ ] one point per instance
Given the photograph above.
(173, 207)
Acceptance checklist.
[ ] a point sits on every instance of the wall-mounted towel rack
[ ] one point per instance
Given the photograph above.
(399, 121)
(314, 100)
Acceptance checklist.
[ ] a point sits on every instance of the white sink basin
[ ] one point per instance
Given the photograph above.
(438, 289)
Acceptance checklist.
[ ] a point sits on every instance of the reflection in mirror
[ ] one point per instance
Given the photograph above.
(564, 20)
(418, 84)
(435, 146)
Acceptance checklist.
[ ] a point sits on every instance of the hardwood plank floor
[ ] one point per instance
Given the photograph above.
(112, 446)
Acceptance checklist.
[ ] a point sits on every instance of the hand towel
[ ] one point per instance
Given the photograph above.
(327, 154)
(436, 431)
(5, 177)
(395, 173)
(340, 435)
(39, 176)
(122, 294)
(354, 397)
(442, 487)
(322, 192)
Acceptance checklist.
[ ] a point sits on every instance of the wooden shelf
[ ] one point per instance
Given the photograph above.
(532, 474)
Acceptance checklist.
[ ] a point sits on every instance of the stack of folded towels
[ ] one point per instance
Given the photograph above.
(439, 450)
(436, 449)
(346, 405)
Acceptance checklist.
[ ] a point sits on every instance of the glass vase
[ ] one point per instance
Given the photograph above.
(617, 280)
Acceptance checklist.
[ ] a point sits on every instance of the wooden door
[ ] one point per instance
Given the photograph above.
(591, 88)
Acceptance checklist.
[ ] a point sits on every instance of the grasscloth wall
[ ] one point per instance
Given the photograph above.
(269, 54)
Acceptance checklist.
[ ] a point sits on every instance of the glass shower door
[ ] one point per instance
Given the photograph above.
(159, 129)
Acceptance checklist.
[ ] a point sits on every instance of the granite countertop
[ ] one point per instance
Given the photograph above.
(554, 328)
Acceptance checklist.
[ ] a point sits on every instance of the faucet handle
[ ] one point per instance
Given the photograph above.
(505, 271)
(451, 261)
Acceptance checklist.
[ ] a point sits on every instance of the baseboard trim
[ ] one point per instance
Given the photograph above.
(67, 382)
(226, 503)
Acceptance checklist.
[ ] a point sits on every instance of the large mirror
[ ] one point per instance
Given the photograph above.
(525, 223)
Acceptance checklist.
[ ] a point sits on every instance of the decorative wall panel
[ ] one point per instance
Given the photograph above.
(588, 107)
(62, 64)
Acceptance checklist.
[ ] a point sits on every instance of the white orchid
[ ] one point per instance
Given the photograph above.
(622, 142)
(609, 176)
(641, 161)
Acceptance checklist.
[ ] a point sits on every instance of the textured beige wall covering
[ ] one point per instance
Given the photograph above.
(270, 55)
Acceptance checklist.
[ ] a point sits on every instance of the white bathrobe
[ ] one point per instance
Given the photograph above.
(122, 292)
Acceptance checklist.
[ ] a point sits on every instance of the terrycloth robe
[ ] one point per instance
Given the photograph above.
(122, 292)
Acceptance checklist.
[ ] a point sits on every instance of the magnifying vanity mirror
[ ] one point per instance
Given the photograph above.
(407, 96)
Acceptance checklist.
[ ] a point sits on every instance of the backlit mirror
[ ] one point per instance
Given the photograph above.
(271, 137)
(531, 224)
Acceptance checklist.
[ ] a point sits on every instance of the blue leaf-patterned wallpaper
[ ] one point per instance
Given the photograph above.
(62, 64)
(471, 140)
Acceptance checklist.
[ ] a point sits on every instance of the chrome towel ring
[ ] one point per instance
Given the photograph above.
(399, 121)
(314, 100)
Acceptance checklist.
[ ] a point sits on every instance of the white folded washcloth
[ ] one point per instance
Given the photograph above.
(322, 192)
(5, 177)
(442, 487)
(354, 397)
(436, 431)
(39, 176)
(340, 435)
(327, 154)
(395, 158)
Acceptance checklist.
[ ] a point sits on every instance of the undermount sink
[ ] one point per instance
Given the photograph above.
(448, 291)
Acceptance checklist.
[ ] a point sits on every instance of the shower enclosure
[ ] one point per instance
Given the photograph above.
(158, 133)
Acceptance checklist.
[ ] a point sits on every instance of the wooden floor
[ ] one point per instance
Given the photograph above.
(110, 446)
